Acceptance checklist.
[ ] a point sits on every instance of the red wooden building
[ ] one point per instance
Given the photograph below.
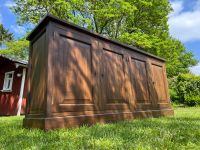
(12, 86)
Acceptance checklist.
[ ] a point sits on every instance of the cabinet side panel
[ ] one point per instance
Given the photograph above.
(38, 76)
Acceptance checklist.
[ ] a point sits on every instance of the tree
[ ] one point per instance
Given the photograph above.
(16, 48)
(141, 23)
(5, 35)
(177, 57)
(108, 17)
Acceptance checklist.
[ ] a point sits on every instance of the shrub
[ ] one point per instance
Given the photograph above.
(192, 100)
(173, 90)
(174, 95)
(188, 89)
(185, 88)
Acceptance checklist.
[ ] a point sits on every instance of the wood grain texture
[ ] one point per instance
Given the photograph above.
(86, 79)
(37, 76)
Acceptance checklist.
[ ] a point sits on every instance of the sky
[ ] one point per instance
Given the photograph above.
(8, 19)
(184, 24)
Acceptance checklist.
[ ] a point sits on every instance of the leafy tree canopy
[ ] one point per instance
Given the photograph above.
(16, 48)
(109, 17)
(5, 35)
(142, 23)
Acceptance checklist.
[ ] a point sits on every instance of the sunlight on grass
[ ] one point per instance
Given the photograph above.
(179, 132)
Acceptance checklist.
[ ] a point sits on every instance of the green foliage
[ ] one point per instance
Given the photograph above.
(174, 95)
(185, 88)
(141, 23)
(174, 133)
(5, 35)
(17, 48)
(109, 17)
(177, 57)
(192, 100)
(189, 88)
(173, 90)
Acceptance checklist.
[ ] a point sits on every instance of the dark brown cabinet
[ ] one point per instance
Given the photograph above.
(78, 77)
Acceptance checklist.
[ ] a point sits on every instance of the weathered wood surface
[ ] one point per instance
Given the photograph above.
(77, 77)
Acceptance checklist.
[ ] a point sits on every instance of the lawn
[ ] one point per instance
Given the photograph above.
(179, 132)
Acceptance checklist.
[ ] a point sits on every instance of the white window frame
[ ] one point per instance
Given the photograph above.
(6, 79)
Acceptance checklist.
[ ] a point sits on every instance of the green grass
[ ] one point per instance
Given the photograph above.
(179, 132)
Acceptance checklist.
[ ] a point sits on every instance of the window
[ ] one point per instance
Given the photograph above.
(8, 80)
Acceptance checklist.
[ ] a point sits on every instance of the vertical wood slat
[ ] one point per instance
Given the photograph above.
(27, 111)
(51, 54)
(96, 88)
(152, 96)
(129, 94)
(54, 79)
(102, 99)
(37, 96)
(166, 84)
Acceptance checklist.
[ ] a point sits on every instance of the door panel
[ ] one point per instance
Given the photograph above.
(140, 80)
(159, 83)
(113, 76)
(77, 69)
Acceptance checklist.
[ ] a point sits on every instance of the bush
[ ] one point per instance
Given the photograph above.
(174, 96)
(185, 89)
(192, 100)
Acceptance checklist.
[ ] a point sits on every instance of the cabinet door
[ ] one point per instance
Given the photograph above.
(159, 83)
(77, 69)
(113, 74)
(140, 80)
